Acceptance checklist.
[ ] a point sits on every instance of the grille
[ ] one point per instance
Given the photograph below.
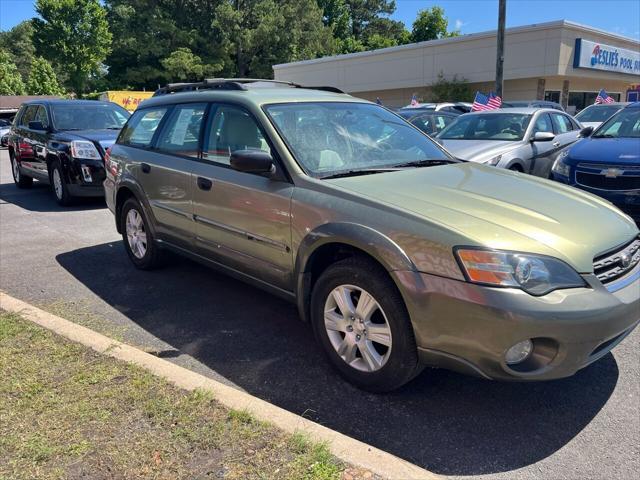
(618, 263)
(602, 182)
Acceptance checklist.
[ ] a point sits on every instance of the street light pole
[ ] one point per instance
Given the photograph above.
(502, 15)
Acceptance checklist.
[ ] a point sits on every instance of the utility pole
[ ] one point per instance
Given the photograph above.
(502, 15)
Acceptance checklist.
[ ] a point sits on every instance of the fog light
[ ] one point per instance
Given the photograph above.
(519, 352)
(86, 174)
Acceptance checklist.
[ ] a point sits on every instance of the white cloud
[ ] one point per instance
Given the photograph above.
(459, 24)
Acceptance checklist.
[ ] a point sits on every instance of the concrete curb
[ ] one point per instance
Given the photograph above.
(345, 448)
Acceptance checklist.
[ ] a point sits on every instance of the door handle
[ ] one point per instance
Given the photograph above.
(146, 168)
(204, 183)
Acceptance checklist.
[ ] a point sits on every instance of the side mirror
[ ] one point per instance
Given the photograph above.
(543, 137)
(37, 126)
(586, 132)
(252, 161)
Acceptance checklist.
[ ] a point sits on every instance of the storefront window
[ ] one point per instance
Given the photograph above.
(552, 96)
(580, 100)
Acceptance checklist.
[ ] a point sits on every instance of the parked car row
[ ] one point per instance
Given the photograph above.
(399, 254)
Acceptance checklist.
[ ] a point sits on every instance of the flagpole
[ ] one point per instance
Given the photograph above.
(502, 14)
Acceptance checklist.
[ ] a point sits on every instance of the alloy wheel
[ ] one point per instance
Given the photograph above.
(15, 169)
(57, 184)
(357, 328)
(136, 234)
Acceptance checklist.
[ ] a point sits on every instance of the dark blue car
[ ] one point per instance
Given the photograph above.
(607, 163)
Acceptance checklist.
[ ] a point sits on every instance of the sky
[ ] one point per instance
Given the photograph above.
(469, 16)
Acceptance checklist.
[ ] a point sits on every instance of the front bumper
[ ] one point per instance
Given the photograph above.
(468, 328)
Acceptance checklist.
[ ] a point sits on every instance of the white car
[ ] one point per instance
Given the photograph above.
(595, 115)
(457, 108)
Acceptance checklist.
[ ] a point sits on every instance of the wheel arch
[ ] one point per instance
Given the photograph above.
(130, 189)
(333, 242)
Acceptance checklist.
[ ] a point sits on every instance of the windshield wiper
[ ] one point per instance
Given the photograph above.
(361, 171)
(605, 135)
(427, 162)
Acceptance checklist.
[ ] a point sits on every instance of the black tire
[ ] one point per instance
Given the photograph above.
(402, 364)
(62, 195)
(152, 255)
(516, 168)
(22, 181)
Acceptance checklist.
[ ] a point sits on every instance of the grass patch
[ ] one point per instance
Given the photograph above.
(68, 412)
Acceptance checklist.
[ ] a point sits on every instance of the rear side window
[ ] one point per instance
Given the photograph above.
(29, 115)
(181, 133)
(561, 123)
(139, 130)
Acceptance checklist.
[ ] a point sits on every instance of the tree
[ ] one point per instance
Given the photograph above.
(453, 90)
(42, 79)
(10, 79)
(430, 25)
(183, 65)
(257, 34)
(384, 32)
(74, 35)
(18, 42)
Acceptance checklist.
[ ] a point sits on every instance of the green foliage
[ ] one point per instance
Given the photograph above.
(18, 42)
(256, 34)
(183, 65)
(42, 79)
(10, 79)
(430, 25)
(74, 35)
(454, 90)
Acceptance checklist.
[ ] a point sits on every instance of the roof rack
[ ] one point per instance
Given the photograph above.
(233, 84)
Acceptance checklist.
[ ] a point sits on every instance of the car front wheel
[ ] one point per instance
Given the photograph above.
(59, 186)
(138, 238)
(361, 322)
(22, 181)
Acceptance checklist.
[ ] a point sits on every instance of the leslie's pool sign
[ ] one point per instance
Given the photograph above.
(599, 56)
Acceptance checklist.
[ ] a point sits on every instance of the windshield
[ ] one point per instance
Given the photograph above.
(83, 116)
(327, 137)
(487, 126)
(624, 124)
(596, 113)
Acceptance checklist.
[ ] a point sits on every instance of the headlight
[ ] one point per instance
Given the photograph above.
(84, 149)
(560, 167)
(535, 274)
(494, 161)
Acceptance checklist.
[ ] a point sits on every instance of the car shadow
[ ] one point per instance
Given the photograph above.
(39, 198)
(448, 423)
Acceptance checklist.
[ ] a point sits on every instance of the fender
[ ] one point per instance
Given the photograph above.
(377, 245)
(130, 183)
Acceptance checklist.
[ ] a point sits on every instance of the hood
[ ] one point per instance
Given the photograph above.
(619, 151)
(478, 151)
(105, 138)
(496, 208)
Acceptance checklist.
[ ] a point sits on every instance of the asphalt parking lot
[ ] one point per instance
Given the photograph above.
(587, 426)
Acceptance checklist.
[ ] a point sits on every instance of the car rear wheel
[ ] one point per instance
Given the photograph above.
(59, 186)
(361, 322)
(138, 238)
(22, 181)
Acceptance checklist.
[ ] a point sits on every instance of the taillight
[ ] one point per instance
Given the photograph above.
(25, 149)
(111, 167)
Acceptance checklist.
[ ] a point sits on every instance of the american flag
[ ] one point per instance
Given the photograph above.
(484, 102)
(603, 97)
(414, 100)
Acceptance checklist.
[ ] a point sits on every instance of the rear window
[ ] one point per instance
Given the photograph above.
(142, 125)
(182, 132)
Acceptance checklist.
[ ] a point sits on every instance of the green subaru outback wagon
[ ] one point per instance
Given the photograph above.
(399, 255)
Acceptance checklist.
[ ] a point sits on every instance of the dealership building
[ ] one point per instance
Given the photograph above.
(560, 61)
